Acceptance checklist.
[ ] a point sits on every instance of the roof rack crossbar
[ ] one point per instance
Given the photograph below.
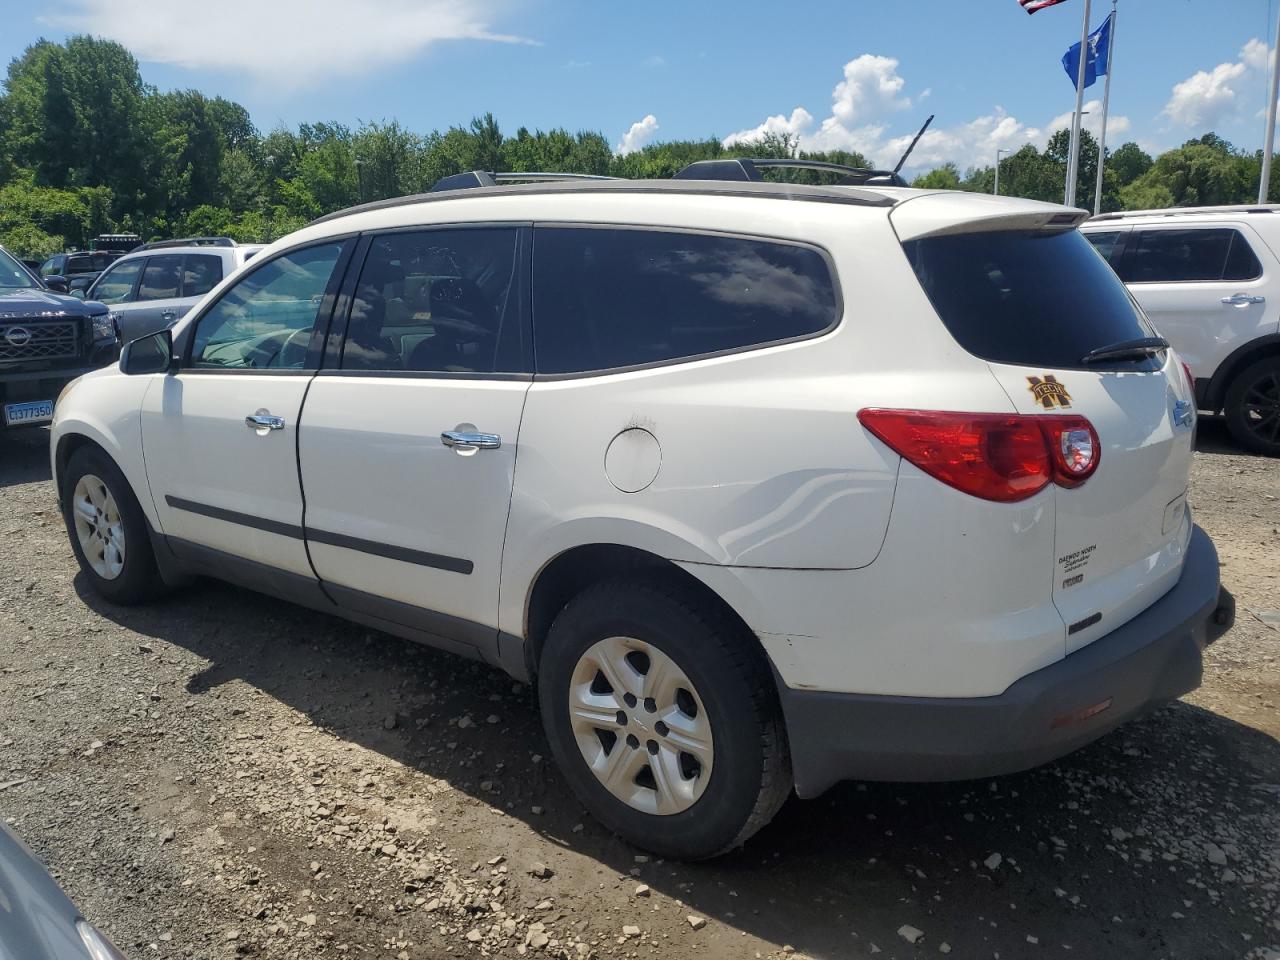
(488, 178)
(747, 168)
(188, 242)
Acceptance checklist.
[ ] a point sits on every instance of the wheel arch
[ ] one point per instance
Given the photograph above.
(575, 569)
(1257, 349)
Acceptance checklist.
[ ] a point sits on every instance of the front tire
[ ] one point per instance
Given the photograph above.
(108, 530)
(663, 718)
(1252, 407)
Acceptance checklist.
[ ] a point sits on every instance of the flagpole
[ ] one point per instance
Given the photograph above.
(1073, 158)
(1106, 102)
(1264, 184)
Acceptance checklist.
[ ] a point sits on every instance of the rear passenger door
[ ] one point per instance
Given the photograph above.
(410, 434)
(1204, 287)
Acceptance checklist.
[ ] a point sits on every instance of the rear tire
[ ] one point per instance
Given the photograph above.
(108, 530)
(1252, 407)
(688, 790)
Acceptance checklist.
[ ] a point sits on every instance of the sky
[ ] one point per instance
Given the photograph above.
(845, 74)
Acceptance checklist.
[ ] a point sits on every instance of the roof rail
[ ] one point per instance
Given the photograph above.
(1180, 211)
(486, 178)
(188, 242)
(747, 168)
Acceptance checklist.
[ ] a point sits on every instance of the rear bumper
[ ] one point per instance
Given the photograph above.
(1154, 658)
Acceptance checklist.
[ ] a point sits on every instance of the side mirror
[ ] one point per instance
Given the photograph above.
(56, 283)
(151, 354)
(77, 293)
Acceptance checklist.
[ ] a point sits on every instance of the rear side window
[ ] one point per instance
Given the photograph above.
(438, 301)
(162, 278)
(1178, 256)
(200, 274)
(608, 298)
(1105, 243)
(1026, 297)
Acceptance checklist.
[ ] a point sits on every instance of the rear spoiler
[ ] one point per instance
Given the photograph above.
(951, 212)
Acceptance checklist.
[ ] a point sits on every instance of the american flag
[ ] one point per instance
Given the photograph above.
(1031, 6)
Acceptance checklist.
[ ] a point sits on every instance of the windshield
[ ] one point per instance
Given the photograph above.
(14, 275)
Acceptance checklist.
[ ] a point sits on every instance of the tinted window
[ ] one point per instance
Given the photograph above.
(162, 278)
(200, 274)
(1105, 243)
(615, 298)
(13, 274)
(266, 319)
(1166, 256)
(1025, 297)
(52, 267)
(116, 284)
(437, 301)
(82, 264)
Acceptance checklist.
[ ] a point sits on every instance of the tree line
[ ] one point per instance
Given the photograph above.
(86, 147)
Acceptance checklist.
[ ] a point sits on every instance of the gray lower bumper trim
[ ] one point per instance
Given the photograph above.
(1150, 660)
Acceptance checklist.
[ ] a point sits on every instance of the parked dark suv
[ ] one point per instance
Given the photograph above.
(47, 339)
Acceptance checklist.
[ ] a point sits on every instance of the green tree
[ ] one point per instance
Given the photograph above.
(945, 177)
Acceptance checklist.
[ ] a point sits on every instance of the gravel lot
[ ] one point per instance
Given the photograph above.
(224, 775)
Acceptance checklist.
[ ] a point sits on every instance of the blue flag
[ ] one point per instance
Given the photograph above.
(1099, 52)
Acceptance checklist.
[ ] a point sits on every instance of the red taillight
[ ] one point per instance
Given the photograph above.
(995, 456)
(1191, 381)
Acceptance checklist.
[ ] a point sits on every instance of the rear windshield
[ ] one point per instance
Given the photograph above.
(1027, 297)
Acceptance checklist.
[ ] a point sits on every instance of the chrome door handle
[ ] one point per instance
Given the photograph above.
(470, 440)
(1240, 299)
(263, 421)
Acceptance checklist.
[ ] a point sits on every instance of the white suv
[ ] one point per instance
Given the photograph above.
(763, 486)
(1203, 276)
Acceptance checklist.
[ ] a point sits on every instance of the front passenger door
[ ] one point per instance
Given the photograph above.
(220, 434)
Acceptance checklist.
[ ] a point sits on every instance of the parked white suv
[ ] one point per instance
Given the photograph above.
(154, 285)
(1203, 276)
(764, 486)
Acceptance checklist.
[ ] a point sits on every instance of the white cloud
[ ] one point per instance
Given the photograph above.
(640, 133)
(872, 90)
(796, 124)
(1208, 97)
(288, 43)
(1117, 126)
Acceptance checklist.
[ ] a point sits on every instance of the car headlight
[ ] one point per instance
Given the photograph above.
(99, 947)
(104, 326)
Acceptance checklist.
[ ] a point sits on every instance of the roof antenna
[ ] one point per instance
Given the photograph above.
(913, 145)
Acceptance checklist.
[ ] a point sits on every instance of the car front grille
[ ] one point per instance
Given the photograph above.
(38, 340)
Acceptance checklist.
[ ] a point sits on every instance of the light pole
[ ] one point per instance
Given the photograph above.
(996, 189)
(360, 179)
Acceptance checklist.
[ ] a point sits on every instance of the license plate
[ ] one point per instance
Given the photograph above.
(35, 411)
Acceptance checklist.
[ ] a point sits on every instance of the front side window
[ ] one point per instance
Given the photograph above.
(1178, 256)
(437, 301)
(52, 267)
(200, 274)
(162, 278)
(116, 285)
(266, 320)
(608, 298)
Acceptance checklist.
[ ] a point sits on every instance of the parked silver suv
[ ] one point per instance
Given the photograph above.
(152, 287)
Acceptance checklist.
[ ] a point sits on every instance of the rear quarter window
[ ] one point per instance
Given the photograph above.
(605, 298)
(1029, 298)
(1195, 254)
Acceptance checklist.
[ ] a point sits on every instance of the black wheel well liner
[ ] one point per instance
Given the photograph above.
(1259, 348)
(68, 444)
(577, 568)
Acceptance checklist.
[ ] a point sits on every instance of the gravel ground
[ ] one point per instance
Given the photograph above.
(223, 775)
